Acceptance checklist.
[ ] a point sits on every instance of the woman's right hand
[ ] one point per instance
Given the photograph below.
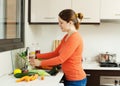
(34, 62)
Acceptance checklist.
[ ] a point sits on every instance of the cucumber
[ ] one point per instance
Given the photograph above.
(31, 73)
(20, 75)
(53, 71)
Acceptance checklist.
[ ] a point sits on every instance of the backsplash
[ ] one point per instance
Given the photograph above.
(97, 38)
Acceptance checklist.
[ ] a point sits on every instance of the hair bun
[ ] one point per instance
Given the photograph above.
(80, 16)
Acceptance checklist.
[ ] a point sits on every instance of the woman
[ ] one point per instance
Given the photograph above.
(69, 52)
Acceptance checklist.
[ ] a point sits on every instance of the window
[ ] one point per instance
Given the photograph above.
(11, 24)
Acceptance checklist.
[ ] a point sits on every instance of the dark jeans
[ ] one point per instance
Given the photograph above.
(75, 83)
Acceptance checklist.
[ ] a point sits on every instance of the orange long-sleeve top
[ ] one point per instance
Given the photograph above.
(69, 55)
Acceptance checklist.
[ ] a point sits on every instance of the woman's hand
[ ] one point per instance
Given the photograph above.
(34, 62)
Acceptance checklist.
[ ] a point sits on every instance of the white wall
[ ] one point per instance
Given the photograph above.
(5, 63)
(97, 39)
(101, 38)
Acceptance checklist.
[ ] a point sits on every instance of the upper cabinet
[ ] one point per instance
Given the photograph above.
(110, 9)
(46, 11)
(89, 8)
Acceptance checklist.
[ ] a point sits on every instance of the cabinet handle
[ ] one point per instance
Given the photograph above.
(117, 14)
(108, 78)
(49, 17)
(88, 74)
(87, 18)
(111, 78)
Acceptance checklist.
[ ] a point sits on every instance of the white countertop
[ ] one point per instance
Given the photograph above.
(95, 66)
(10, 80)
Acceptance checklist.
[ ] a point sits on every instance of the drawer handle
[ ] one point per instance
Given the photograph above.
(88, 74)
(87, 18)
(49, 17)
(111, 78)
(117, 14)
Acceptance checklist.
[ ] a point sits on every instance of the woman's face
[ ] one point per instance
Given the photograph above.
(63, 25)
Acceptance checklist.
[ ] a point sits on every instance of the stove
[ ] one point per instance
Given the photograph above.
(108, 64)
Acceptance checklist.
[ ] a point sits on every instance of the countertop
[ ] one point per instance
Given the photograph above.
(95, 66)
(10, 80)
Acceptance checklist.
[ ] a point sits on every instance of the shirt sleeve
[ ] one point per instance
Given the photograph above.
(68, 49)
(51, 54)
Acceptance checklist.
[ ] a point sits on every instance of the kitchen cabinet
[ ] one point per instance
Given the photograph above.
(46, 11)
(110, 9)
(93, 76)
(89, 8)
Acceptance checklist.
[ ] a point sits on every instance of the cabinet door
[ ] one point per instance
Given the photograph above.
(46, 11)
(110, 9)
(89, 8)
(92, 78)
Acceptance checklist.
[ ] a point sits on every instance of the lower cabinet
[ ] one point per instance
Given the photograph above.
(93, 76)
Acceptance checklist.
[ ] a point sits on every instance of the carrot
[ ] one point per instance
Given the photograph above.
(42, 77)
(31, 77)
(21, 79)
(28, 78)
(34, 77)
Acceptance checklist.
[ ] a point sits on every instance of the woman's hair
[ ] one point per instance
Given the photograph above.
(70, 15)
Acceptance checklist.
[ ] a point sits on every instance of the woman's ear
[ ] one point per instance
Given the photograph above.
(70, 22)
